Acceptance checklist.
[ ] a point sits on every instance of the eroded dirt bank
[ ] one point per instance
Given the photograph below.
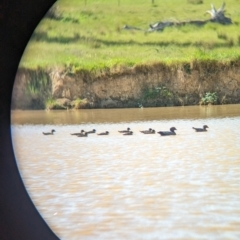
(150, 86)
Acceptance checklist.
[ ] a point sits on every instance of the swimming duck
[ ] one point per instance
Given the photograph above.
(124, 131)
(80, 133)
(204, 129)
(146, 131)
(128, 133)
(172, 129)
(93, 131)
(83, 135)
(104, 133)
(49, 133)
(150, 132)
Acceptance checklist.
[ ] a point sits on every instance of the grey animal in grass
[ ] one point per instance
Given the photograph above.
(93, 131)
(103, 133)
(49, 133)
(125, 131)
(204, 129)
(128, 133)
(83, 135)
(77, 134)
(168, 133)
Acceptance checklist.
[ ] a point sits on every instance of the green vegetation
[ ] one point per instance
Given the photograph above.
(78, 103)
(51, 104)
(209, 98)
(89, 35)
(38, 83)
(157, 92)
(157, 96)
(38, 87)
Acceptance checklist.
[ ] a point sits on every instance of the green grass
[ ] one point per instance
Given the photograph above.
(91, 36)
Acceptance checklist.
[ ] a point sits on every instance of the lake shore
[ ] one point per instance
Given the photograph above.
(155, 85)
(82, 55)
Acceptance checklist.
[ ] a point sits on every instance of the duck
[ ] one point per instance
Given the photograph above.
(172, 129)
(93, 131)
(204, 129)
(104, 133)
(83, 135)
(128, 133)
(146, 131)
(124, 131)
(49, 133)
(82, 131)
(150, 132)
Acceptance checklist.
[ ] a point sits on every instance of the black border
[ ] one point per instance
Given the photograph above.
(19, 218)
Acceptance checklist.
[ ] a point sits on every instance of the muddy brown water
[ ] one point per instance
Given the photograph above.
(133, 187)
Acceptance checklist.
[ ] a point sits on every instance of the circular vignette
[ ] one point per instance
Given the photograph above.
(19, 217)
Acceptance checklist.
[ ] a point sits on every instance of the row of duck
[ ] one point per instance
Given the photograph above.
(128, 132)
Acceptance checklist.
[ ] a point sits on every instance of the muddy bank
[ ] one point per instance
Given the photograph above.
(148, 86)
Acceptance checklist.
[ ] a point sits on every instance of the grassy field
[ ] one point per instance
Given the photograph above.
(89, 34)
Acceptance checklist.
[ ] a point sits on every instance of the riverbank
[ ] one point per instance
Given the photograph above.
(82, 56)
(154, 85)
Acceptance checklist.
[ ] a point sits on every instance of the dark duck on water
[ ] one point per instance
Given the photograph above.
(125, 131)
(146, 131)
(49, 133)
(104, 133)
(77, 134)
(93, 131)
(204, 129)
(128, 133)
(167, 133)
(83, 135)
(150, 132)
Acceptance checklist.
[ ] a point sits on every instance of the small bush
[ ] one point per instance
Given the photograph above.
(209, 98)
(80, 103)
(51, 103)
(157, 92)
(77, 103)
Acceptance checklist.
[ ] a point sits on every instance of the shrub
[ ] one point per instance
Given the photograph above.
(157, 92)
(77, 103)
(209, 98)
(80, 103)
(51, 103)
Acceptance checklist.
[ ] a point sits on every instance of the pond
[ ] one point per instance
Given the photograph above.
(142, 186)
